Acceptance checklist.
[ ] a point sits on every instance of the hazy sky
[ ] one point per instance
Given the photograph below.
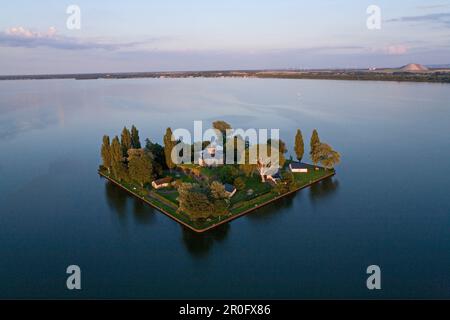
(138, 35)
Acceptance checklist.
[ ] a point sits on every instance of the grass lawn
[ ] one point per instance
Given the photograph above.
(169, 194)
(251, 183)
(177, 175)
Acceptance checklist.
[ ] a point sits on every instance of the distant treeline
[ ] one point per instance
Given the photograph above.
(436, 76)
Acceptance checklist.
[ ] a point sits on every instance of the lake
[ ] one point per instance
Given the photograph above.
(388, 204)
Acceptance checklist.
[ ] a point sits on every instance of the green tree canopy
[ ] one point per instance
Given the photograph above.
(199, 202)
(194, 201)
(169, 144)
(239, 183)
(282, 149)
(218, 190)
(125, 141)
(237, 144)
(227, 173)
(221, 126)
(140, 166)
(157, 152)
(326, 156)
(106, 153)
(299, 147)
(135, 142)
(314, 143)
(116, 151)
(119, 168)
(247, 168)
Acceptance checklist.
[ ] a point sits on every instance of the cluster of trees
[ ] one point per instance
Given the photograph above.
(286, 184)
(126, 160)
(323, 153)
(203, 202)
(319, 152)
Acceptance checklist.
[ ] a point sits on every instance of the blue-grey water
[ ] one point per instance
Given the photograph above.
(388, 205)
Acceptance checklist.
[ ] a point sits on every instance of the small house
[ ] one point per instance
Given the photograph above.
(230, 190)
(162, 183)
(298, 167)
(274, 177)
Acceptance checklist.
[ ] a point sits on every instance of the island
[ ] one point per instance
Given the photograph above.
(209, 191)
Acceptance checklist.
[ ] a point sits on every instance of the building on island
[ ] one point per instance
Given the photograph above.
(298, 167)
(211, 156)
(230, 190)
(162, 183)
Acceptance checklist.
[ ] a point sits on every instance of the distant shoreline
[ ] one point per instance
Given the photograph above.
(434, 75)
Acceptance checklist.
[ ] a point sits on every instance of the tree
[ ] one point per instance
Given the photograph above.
(247, 167)
(194, 201)
(221, 126)
(326, 156)
(106, 153)
(281, 150)
(157, 152)
(227, 173)
(169, 144)
(237, 144)
(299, 145)
(125, 141)
(218, 190)
(199, 202)
(135, 142)
(286, 184)
(119, 169)
(140, 166)
(314, 143)
(239, 183)
(116, 151)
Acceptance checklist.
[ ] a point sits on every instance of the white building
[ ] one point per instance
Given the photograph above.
(298, 167)
(211, 156)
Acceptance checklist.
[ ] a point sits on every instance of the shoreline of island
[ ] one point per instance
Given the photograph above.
(212, 181)
(225, 220)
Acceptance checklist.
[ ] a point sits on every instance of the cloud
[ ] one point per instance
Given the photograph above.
(440, 18)
(396, 49)
(23, 37)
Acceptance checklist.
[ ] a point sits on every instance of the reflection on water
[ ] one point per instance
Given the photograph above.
(143, 213)
(271, 210)
(50, 134)
(323, 188)
(199, 244)
(118, 201)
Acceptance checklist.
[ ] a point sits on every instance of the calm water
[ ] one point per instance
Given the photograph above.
(388, 205)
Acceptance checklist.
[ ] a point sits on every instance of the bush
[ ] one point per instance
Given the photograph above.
(239, 183)
(177, 183)
(228, 173)
(197, 202)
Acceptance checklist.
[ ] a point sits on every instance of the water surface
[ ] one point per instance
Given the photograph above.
(388, 204)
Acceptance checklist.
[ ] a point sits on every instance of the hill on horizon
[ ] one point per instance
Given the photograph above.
(414, 67)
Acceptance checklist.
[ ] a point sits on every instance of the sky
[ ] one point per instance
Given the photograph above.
(179, 35)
